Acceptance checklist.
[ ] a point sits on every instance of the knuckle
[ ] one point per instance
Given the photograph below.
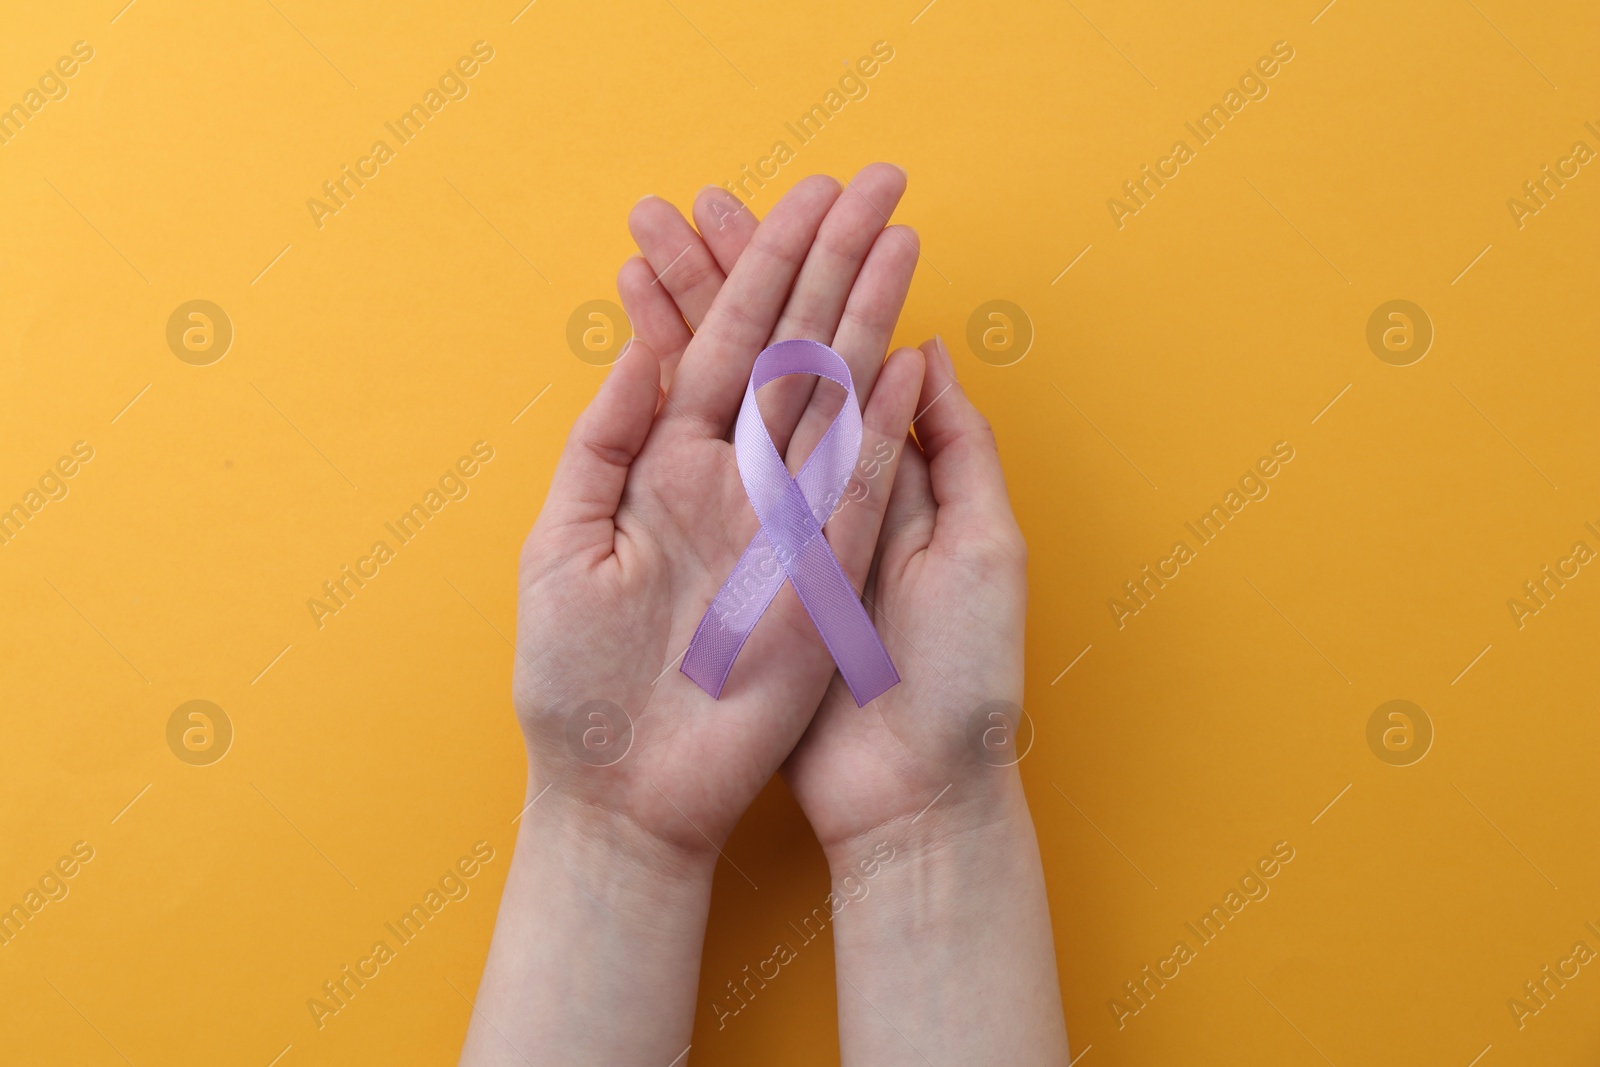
(782, 248)
(839, 245)
(743, 319)
(692, 273)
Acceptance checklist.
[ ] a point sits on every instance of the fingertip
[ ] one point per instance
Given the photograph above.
(909, 361)
(633, 289)
(894, 394)
(640, 351)
(628, 274)
(889, 173)
(652, 313)
(710, 192)
(634, 374)
(944, 411)
(941, 371)
(716, 209)
(819, 185)
(654, 371)
(649, 213)
(620, 367)
(905, 233)
(636, 217)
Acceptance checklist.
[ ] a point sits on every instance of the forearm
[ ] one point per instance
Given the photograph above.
(596, 950)
(948, 957)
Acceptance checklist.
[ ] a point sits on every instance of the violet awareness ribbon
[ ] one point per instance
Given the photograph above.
(790, 544)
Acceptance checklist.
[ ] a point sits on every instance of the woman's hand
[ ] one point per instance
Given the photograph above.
(636, 776)
(646, 516)
(950, 951)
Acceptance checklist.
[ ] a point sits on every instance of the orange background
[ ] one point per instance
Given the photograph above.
(1228, 314)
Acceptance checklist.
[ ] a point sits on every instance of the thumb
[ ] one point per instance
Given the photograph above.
(964, 471)
(593, 469)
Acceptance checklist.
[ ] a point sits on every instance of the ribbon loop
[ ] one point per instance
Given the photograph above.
(790, 544)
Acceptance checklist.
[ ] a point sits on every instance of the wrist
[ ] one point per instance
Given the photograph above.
(989, 807)
(595, 914)
(909, 895)
(607, 845)
(958, 894)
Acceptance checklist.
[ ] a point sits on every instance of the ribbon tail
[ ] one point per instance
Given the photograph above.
(840, 618)
(732, 616)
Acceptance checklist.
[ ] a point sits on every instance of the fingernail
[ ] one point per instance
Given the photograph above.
(899, 168)
(646, 196)
(949, 364)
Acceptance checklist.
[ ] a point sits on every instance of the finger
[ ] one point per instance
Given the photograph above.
(865, 330)
(964, 471)
(876, 300)
(843, 241)
(852, 530)
(711, 377)
(821, 292)
(593, 468)
(726, 224)
(683, 264)
(653, 314)
(908, 519)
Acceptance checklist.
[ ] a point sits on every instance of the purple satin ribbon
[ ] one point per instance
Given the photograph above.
(790, 543)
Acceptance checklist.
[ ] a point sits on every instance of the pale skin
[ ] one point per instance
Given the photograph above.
(596, 951)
